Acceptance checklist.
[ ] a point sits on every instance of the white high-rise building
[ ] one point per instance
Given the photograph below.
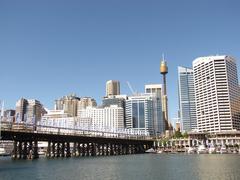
(217, 94)
(104, 118)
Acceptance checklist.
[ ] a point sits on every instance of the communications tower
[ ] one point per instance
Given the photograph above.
(164, 71)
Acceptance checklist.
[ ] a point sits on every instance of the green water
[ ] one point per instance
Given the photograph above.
(132, 167)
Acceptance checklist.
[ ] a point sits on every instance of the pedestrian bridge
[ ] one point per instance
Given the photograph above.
(66, 142)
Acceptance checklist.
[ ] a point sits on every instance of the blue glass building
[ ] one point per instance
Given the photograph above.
(187, 106)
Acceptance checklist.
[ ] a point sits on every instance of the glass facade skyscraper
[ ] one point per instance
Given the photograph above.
(139, 112)
(158, 121)
(187, 106)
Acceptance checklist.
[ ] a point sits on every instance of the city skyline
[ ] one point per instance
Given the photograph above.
(48, 56)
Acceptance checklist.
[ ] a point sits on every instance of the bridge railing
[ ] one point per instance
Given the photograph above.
(24, 127)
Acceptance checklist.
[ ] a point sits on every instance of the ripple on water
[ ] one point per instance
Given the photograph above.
(139, 167)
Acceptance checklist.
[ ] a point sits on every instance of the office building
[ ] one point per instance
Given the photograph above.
(158, 121)
(69, 104)
(9, 113)
(29, 111)
(85, 102)
(104, 118)
(139, 112)
(55, 114)
(216, 93)
(118, 100)
(112, 88)
(186, 97)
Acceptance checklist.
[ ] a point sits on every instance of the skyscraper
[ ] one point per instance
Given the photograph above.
(119, 100)
(69, 104)
(29, 111)
(187, 106)
(103, 118)
(139, 112)
(112, 88)
(85, 102)
(217, 93)
(158, 121)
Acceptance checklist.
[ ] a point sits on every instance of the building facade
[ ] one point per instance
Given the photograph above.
(104, 118)
(139, 113)
(69, 104)
(29, 111)
(186, 97)
(158, 121)
(85, 102)
(112, 88)
(217, 94)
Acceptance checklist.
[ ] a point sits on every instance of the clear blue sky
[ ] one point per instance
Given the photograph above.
(50, 48)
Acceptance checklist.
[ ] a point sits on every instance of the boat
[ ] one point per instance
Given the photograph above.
(223, 150)
(3, 152)
(151, 150)
(211, 150)
(191, 150)
(202, 149)
(159, 151)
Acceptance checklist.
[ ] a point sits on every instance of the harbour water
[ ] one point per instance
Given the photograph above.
(133, 167)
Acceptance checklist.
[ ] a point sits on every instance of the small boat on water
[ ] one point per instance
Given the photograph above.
(223, 150)
(151, 150)
(3, 152)
(191, 150)
(212, 150)
(159, 151)
(202, 149)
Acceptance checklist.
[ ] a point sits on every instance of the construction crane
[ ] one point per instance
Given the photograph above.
(131, 89)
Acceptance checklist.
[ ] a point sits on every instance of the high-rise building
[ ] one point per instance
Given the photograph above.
(139, 112)
(178, 126)
(104, 118)
(29, 111)
(112, 88)
(85, 102)
(69, 104)
(187, 106)
(217, 93)
(9, 113)
(158, 121)
(119, 100)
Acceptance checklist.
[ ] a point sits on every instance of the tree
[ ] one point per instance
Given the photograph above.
(177, 134)
(185, 135)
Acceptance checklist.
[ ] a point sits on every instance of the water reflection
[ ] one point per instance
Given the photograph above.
(139, 167)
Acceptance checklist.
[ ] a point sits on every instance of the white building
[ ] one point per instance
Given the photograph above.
(56, 114)
(104, 118)
(217, 93)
